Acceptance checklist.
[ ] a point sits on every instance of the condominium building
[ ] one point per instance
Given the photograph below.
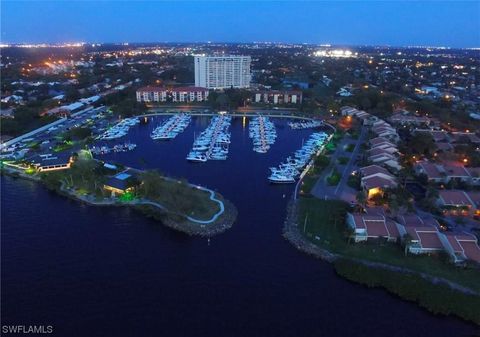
(278, 97)
(179, 94)
(222, 72)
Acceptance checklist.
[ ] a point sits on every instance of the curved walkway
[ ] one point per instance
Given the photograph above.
(110, 202)
(203, 222)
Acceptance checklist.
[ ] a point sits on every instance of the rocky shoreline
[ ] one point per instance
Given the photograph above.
(174, 221)
(292, 234)
(181, 224)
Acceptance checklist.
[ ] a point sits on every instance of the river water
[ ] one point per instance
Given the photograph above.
(90, 271)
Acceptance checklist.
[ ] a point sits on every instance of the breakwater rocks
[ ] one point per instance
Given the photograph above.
(181, 224)
(292, 233)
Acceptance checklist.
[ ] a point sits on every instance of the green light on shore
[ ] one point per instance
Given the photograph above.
(330, 146)
(127, 196)
(30, 170)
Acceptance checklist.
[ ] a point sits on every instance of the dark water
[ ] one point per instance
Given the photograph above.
(111, 272)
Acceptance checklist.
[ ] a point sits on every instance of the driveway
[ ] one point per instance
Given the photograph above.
(341, 191)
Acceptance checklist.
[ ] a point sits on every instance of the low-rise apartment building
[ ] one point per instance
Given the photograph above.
(278, 97)
(153, 94)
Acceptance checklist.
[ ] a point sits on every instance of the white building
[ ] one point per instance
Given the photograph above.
(222, 72)
(278, 97)
(179, 94)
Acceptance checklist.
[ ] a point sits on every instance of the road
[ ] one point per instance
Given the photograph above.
(342, 191)
(347, 171)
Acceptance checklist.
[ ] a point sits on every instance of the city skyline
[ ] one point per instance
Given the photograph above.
(440, 24)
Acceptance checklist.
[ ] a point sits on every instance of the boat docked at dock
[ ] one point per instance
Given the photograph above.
(120, 129)
(195, 156)
(99, 150)
(171, 127)
(277, 178)
(305, 125)
(213, 142)
(288, 171)
(263, 134)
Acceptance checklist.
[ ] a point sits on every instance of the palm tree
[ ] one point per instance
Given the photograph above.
(350, 233)
(407, 242)
(403, 174)
(361, 198)
(394, 206)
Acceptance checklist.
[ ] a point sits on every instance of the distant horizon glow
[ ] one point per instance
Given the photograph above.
(391, 24)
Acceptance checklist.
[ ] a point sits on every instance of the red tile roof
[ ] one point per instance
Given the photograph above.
(454, 198)
(475, 197)
(455, 170)
(471, 250)
(189, 89)
(177, 89)
(151, 89)
(376, 225)
(444, 146)
(378, 140)
(413, 220)
(372, 169)
(377, 151)
(430, 240)
(376, 228)
(431, 170)
(378, 182)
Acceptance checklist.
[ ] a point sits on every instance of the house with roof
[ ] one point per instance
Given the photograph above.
(367, 227)
(403, 117)
(422, 232)
(349, 111)
(443, 147)
(437, 135)
(474, 173)
(456, 172)
(378, 141)
(381, 150)
(461, 246)
(423, 237)
(385, 130)
(446, 172)
(382, 158)
(458, 202)
(121, 183)
(465, 137)
(375, 180)
(52, 162)
(412, 219)
(385, 146)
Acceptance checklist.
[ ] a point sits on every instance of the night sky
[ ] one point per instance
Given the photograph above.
(432, 23)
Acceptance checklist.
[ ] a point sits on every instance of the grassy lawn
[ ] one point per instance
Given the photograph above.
(350, 147)
(307, 183)
(440, 299)
(176, 195)
(181, 198)
(63, 147)
(326, 226)
(334, 178)
(354, 182)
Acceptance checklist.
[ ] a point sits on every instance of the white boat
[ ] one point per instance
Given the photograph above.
(281, 179)
(213, 142)
(196, 157)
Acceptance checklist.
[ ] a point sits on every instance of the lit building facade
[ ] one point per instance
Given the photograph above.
(222, 72)
(278, 97)
(180, 94)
